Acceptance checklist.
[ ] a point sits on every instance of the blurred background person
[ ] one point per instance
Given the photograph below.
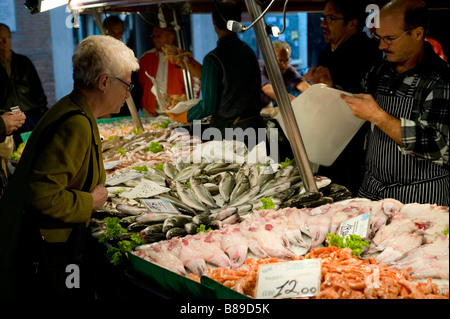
(115, 27)
(167, 74)
(292, 79)
(19, 85)
(9, 122)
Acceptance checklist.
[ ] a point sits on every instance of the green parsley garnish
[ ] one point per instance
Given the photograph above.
(354, 242)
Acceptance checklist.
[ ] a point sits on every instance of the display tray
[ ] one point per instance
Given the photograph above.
(170, 281)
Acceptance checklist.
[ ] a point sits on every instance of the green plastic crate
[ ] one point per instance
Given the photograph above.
(170, 281)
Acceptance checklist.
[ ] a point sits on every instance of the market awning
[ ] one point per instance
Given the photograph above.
(36, 6)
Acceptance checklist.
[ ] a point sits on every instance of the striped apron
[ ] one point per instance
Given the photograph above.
(392, 174)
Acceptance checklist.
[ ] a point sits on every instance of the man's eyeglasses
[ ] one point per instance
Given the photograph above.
(129, 85)
(330, 19)
(388, 39)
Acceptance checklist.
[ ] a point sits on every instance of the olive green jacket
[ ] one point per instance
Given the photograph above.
(54, 180)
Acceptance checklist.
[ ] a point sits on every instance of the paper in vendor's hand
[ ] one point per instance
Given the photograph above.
(183, 106)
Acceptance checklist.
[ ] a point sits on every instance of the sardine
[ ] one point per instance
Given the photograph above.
(212, 166)
(246, 196)
(227, 212)
(177, 221)
(136, 227)
(203, 218)
(302, 198)
(242, 186)
(226, 186)
(202, 193)
(191, 228)
(176, 232)
(187, 196)
(103, 213)
(130, 210)
(187, 172)
(212, 188)
(153, 218)
(253, 175)
(233, 219)
(170, 170)
(178, 203)
(152, 229)
(274, 190)
(233, 167)
(152, 237)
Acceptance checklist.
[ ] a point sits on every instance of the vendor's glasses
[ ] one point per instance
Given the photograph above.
(329, 18)
(388, 39)
(129, 85)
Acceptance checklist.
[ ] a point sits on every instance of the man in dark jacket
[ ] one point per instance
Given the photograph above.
(19, 85)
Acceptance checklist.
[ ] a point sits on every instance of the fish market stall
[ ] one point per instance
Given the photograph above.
(206, 227)
(205, 219)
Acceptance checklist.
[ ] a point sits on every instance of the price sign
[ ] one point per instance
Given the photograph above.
(292, 279)
(160, 206)
(358, 225)
(119, 179)
(145, 189)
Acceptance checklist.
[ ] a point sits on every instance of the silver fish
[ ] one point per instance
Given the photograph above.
(226, 186)
(170, 170)
(270, 184)
(212, 166)
(241, 186)
(203, 218)
(187, 196)
(152, 218)
(212, 188)
(246, 196)
(233, 167)
(187, 172)
(178, 203)
(176, 221)
(227, 212)
(274, 190)
(265, 174)
(233, 219)
(202, 193)
(130, 210)
(253, 175)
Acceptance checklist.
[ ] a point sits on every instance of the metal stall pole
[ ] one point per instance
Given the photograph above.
(129, 100)
(282, 97)
(182, 44)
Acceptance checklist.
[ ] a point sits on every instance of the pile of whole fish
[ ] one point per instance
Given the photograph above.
(279, 234)
(208, 194)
